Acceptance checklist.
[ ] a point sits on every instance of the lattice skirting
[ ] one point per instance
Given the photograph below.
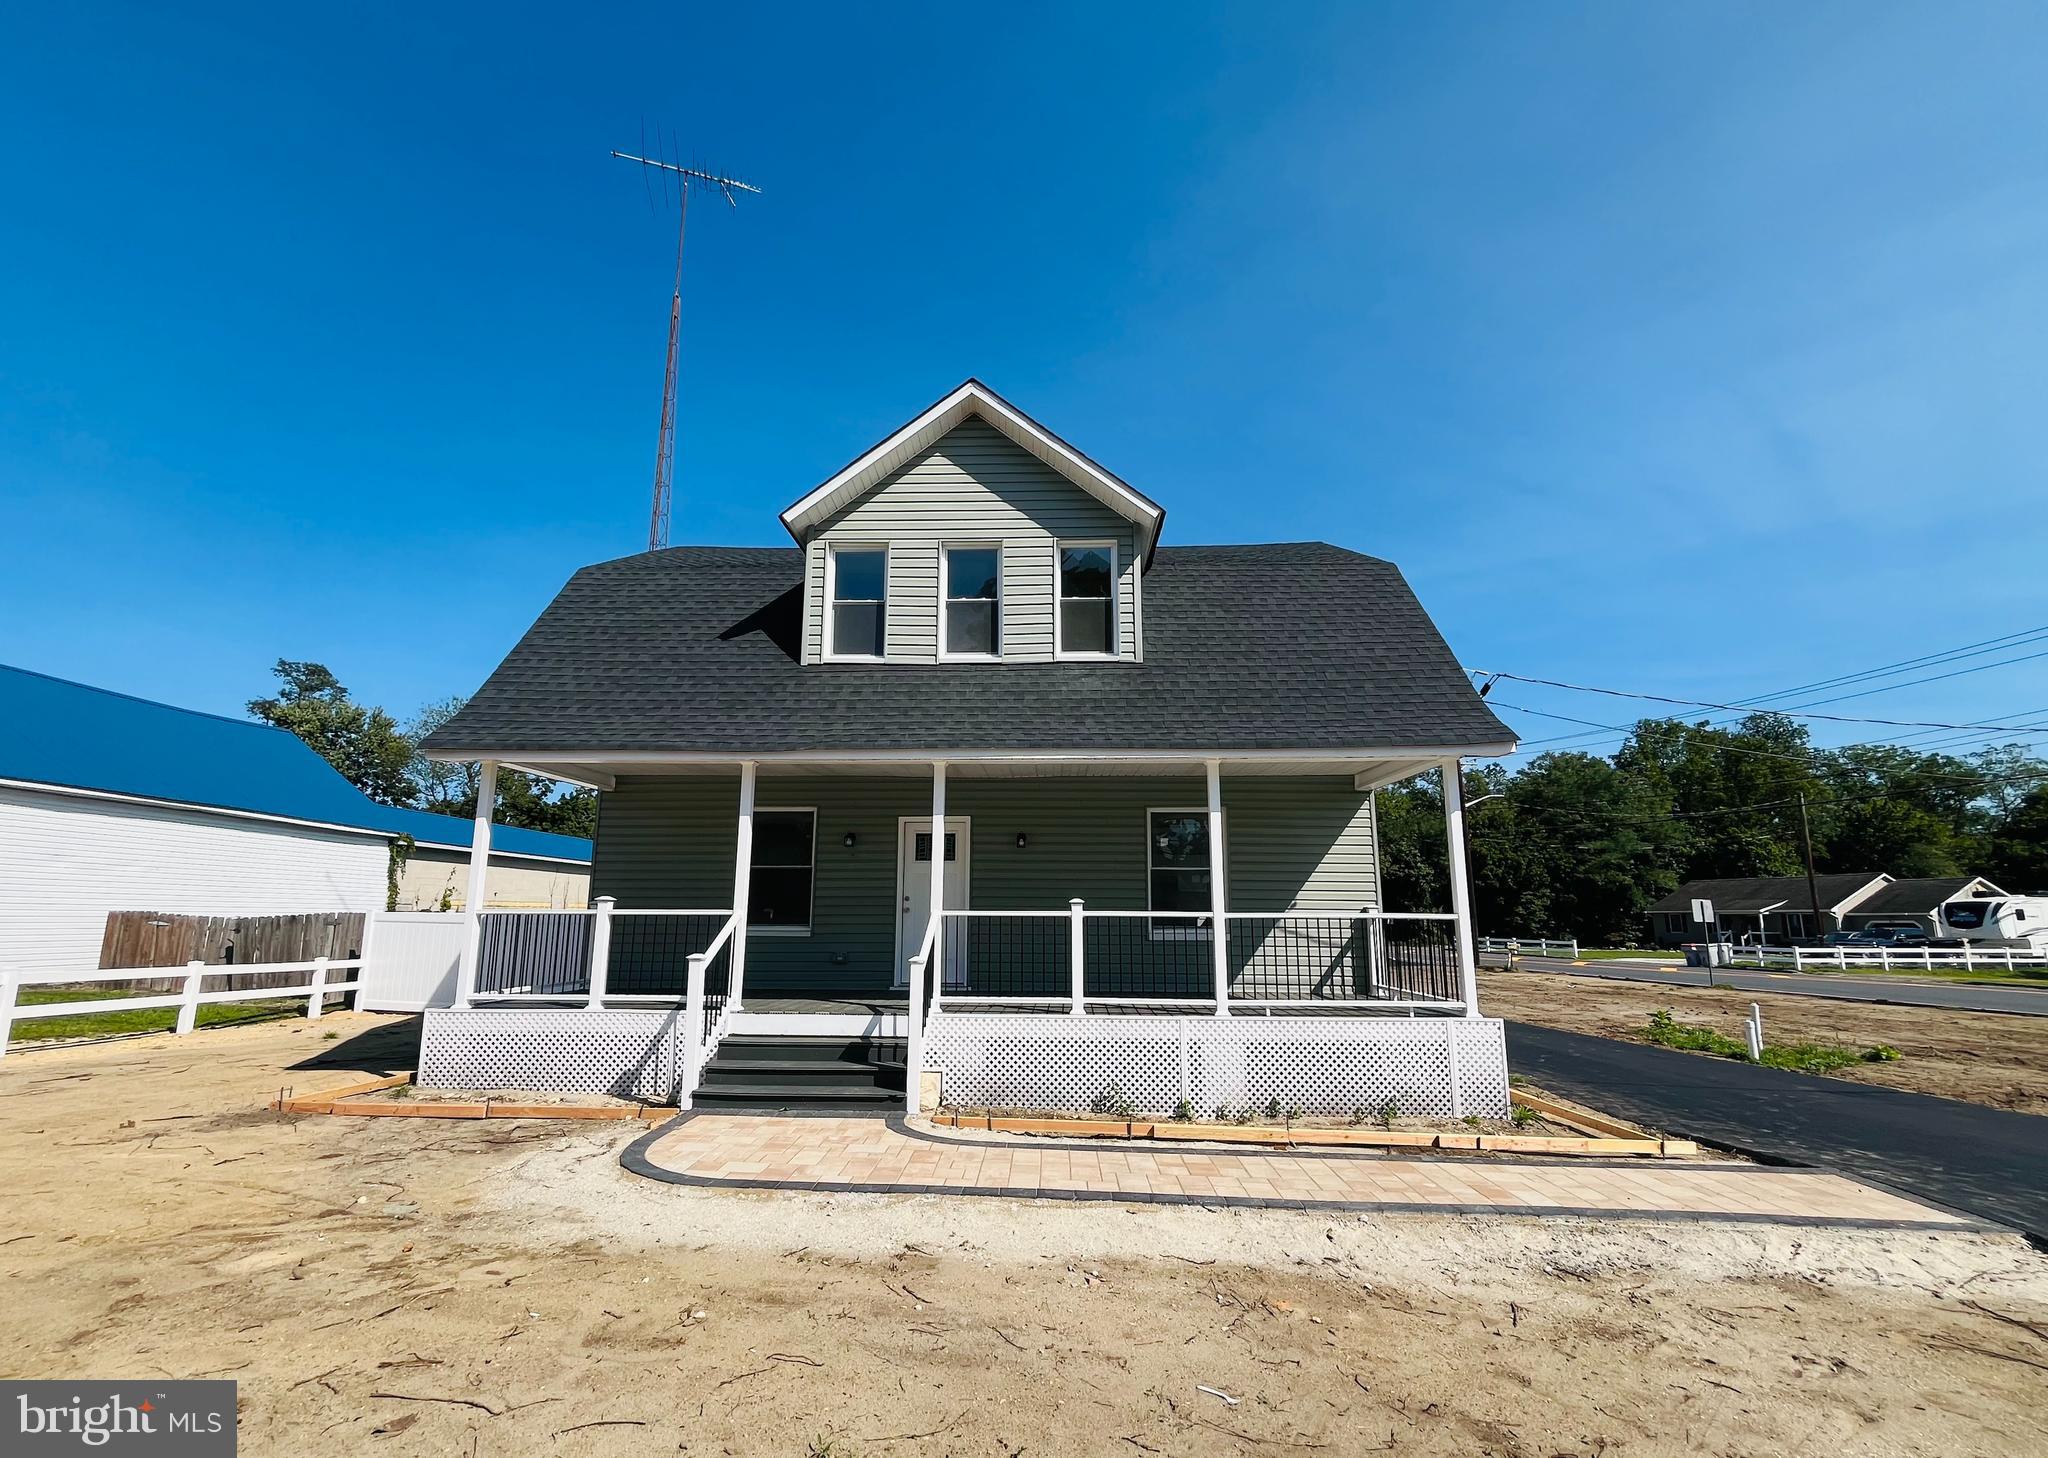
(631, 1054)
(1438, 1067)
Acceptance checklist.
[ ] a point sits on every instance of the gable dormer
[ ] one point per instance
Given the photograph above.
(973, 534)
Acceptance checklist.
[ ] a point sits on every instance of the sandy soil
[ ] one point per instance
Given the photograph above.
(424, 1287)
(1987, 1058)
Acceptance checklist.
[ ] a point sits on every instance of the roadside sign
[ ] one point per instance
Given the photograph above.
(1703, 911)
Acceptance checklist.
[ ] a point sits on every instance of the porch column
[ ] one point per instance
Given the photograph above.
(742, 885)
(1461, 884)
(1219, 939)
(479, 880)
(921, 969)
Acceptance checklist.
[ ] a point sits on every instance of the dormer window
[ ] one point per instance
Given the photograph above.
(971, 612)
(1087, 608)
(859, 590)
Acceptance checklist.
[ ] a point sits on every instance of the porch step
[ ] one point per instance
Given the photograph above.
(756, 1071)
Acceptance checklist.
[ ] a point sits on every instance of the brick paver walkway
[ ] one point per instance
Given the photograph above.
(871, 1155)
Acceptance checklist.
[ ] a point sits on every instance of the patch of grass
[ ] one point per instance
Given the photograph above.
(135, 1020)
(1667, 1031)
(1523, 1116)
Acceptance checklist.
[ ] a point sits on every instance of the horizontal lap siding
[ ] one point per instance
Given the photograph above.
(66, 861)
(975, 485)
(669, 842)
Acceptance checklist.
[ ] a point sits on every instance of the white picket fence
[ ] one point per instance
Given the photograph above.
(1541, 946)
(1891, 959)
(187, 1000)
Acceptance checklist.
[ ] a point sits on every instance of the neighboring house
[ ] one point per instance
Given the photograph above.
(1767, 908)
(980, 657)
(1917, 899)
(110, 803)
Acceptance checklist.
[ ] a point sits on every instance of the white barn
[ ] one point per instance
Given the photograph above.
(111, 803)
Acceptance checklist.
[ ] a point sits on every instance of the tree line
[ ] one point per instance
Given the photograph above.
(1579, 844)
(382, 758)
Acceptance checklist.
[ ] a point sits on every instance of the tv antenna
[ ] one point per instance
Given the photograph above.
(665, 442)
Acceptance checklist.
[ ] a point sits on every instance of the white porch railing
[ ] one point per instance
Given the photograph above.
(1892, 959)
(187, 1001)
(1076, 959)
(1542, 946)
(601, 956)
(707, 1008)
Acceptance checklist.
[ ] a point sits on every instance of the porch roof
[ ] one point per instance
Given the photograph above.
(1296, 648)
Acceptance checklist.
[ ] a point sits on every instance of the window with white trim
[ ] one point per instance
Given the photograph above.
(971, 602)
(783, 871)
(1087, 600)
(860, 590)
(1177, 870)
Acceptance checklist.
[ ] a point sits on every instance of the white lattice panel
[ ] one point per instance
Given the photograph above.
(629, 1054)
(1437, 1067)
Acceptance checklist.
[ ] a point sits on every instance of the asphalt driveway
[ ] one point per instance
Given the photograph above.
(1990, 1163)
(1854, 987)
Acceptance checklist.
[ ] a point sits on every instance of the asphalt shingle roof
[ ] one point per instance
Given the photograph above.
(56, 732)
(1294, 646)
(1758, 893)
(1915, 894)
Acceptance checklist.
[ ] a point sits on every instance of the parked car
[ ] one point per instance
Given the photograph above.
(1891, 934)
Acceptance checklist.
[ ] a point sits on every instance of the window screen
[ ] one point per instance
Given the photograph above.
(779, 886)
(971, 576)
(859, 607)
(1087, 600)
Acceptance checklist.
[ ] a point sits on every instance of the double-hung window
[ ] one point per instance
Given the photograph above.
(1087, 606)
(1177, 870)
(783, 871)
(972, 606)
(860, 590)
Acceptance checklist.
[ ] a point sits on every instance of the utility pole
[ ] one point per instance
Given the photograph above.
(1812, 885)
(665, 439)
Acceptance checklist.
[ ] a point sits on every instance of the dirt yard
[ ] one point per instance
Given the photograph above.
(408, 1286)
(1987, 1058)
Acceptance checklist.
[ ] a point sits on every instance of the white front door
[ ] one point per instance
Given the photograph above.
(914, 888)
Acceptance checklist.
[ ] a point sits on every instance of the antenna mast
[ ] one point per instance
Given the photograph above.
(665, 442)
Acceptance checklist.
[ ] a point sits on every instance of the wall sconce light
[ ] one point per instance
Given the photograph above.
(847, 840)
(1022, 840)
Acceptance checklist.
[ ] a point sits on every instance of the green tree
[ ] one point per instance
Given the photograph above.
(2017, 857)
(364, 744)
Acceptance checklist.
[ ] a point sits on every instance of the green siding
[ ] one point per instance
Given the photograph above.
(974, 486)
(668, 841)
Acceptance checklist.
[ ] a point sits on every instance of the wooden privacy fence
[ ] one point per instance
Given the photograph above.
(145, 939)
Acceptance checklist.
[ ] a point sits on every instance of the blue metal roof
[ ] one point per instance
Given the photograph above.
(56, 732)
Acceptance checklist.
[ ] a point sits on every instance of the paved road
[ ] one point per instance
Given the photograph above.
(1990, 1163)
(1914, 992)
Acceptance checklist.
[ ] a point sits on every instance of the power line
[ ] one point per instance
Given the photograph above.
(1740, 708)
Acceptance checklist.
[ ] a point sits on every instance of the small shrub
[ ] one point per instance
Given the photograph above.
(1389, 1111)
(1273, 1107)
(1112, 1102)
(1472, 1121)
(1358, 1115)
(1293, 1112)
(1882, 1053)
(1523, 1116)
(1246, 1114)
(1184, 1112)
(1223, 1113)
(330, 1036)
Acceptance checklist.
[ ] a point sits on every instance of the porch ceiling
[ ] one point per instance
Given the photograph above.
(1367, 773)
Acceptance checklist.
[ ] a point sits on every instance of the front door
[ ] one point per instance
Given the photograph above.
(914, 888)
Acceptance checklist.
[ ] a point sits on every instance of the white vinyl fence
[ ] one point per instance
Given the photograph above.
(1541, 946)
(318, 987)
(1892, 959)
(411, 959)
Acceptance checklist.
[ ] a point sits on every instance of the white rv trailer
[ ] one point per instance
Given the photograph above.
(2007, 921)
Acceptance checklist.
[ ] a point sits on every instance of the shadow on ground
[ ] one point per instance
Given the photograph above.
(390, 1048)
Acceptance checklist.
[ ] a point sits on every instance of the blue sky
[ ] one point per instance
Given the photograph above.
(1697, 350)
